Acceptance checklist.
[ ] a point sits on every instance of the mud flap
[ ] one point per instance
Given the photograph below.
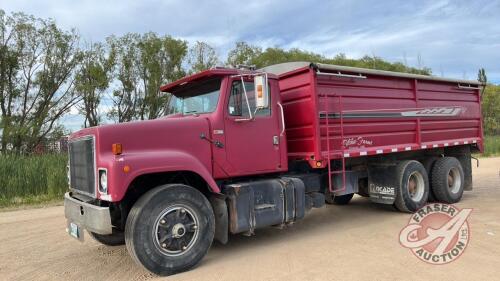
(351, 182)
(463, 154)
(382, 184)
(221, 218)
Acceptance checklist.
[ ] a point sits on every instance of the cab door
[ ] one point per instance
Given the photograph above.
(252, 146)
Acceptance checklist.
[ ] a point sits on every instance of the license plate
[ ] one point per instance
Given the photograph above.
(74, 230)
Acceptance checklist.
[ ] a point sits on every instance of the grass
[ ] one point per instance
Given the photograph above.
(32, 180)
(491, 146)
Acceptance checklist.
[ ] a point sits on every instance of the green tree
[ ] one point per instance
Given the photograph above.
(491, 109)
(201, 57)
(37, 67)
(243, 54)
(92, 79)
(160, 62)
(277, 55)
(481, 76)
(127, 94)
(144, 63)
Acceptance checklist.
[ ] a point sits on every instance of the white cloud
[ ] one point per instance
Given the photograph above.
(452, 36)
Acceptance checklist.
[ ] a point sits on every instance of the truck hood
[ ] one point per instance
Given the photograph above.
(153, 146)
(151, 135)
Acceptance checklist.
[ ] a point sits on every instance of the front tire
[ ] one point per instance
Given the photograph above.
(170, 229)
(413, 189)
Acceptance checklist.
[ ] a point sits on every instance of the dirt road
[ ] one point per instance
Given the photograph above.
(353, 242)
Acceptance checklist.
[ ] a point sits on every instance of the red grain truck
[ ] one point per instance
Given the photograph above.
(247, 149)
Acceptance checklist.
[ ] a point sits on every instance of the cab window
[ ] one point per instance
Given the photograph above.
(238, 104)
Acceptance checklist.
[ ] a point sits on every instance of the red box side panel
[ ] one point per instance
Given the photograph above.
(380, 114)
(299, 105)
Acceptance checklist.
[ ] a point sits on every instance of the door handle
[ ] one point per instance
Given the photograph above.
(276, 140)
(282, 119)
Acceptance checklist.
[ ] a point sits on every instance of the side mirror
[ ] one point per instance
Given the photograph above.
(261, 91)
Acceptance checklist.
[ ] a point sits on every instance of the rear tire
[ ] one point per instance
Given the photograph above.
(413, 186)
(170, 229)
(428, 165)
(448, 180)
(117, 238)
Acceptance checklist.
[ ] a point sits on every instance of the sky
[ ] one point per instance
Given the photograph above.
(453, 38)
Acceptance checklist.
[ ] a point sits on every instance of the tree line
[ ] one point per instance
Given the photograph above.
(46, 71)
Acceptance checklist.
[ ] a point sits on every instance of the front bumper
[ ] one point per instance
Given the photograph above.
(91, 217)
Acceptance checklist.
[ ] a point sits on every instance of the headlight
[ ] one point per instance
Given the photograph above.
(103, 181)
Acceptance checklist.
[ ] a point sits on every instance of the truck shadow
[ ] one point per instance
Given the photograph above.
(337, 220)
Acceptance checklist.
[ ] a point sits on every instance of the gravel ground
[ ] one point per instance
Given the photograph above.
(353, 242)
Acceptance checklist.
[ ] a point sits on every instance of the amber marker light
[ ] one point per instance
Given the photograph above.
(259, 91)
(116, 148)
(126, 168)
(318, 164)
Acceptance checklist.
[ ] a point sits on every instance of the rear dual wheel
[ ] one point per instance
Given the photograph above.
(413, 186)
(428, 164)
(448, 180)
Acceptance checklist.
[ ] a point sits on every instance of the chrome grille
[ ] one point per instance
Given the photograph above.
(81, 165)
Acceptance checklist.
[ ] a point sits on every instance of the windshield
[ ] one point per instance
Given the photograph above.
(199, 97)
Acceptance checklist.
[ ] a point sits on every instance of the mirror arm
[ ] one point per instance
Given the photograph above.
(246, 98)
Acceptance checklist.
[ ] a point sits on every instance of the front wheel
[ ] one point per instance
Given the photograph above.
(170, 229)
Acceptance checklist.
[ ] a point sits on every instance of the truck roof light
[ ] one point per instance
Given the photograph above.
(116, 148)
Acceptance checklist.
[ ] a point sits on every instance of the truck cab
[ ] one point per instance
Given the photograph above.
(224, 126)
(243, 122)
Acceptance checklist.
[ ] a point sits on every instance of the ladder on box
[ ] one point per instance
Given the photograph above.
(331, 172)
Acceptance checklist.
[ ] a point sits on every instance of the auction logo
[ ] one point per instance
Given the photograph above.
(437, 233)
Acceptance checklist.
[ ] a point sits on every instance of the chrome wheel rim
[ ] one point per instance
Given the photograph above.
(416, 186)
(454, 180)
(175, 230)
